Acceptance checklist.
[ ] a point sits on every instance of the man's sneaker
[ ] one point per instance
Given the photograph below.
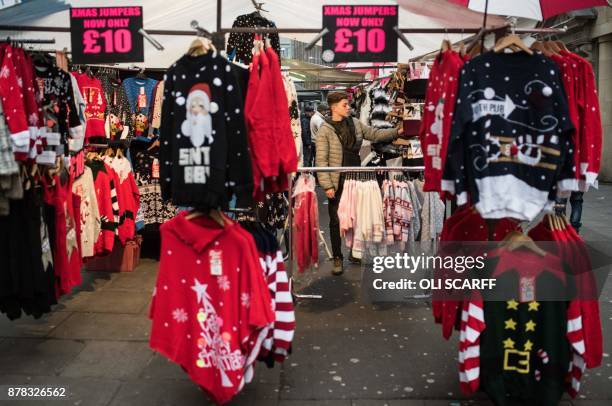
(354, 260)
(337, 270)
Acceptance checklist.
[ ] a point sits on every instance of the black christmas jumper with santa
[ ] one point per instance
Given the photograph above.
(204, 155)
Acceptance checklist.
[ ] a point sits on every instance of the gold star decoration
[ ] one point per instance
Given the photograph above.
(530, 326)
(528, 345)
(508, 343)
(510, 324)
(533, 306)
(512, 304)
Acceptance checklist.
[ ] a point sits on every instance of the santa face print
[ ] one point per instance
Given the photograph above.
(198, 120)
(198, 127)
(197, 107)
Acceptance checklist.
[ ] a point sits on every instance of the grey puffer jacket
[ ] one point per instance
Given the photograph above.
(329, 148)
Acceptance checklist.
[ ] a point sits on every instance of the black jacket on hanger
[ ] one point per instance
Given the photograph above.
(241, 43)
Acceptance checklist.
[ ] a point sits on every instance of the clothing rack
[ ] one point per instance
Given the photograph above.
(421, 30)
(30, 41)
(341, 169)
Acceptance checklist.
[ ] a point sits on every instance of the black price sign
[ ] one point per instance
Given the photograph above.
(106, 34)
(360, 33)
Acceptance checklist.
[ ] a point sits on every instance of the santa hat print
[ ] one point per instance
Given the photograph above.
(201, 90)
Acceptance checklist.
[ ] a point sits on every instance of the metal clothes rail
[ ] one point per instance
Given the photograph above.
(341, 169)
(420, 30)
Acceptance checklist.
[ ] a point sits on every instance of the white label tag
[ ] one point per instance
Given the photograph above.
(126, 131)
(46, 158)
(527, 289)
(215, 259)
(53, 138)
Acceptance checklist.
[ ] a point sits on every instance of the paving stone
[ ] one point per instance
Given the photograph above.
(37, 356)
(110, 359)
(265, 375)
(30, 327)
(161, 368)
(392, 402)
(369, 361)
(140, 281)
(159, 393)
(94, 280)
(109, 301)
(81, 391)
(335, 402)
(104, 326)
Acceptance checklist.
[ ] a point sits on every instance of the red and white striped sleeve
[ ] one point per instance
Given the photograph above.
(284, 325)
(472, 325)
(575, 336)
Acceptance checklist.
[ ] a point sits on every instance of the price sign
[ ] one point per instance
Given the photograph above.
(360, 33)
(106, 34)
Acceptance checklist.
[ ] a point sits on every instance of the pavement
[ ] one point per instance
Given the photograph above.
(346, 352)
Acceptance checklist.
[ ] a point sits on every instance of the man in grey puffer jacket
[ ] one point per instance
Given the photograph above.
(338, 142)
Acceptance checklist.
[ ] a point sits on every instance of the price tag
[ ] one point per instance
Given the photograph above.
(155, 169)
(215, 258)
(53, 138)
(142, 99)
(360, 33)
(106, 34)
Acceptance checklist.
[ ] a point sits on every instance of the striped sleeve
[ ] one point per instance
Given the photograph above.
(472, 325)
(284, 326)
(266, 346)
(575, 336)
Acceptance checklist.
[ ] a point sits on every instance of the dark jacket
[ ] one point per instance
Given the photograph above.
(329, 148)
(306, 134)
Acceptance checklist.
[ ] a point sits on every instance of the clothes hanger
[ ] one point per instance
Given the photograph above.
(141, 74)
(562, 46)
(446, 44)
(200, 46)
(539, 46)
(553, 47)
(511, 41)
(517, 239)
(212, 213)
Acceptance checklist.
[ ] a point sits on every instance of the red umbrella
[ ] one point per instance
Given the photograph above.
(534, 9)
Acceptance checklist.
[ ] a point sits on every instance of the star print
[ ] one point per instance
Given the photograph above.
(200, 290)
(533, 306)
(508, 343)
(512, 305)
(528, 345)
(530, 326)
(510, 324)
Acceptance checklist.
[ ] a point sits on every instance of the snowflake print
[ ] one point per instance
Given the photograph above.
(4, 72)
(224, 283)
(20, 82)
(180, 315)
(245, 300)
(33, 119)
